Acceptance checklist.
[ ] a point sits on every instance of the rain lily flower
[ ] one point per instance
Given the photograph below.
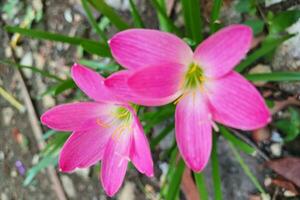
(163, 68)
(106, 129)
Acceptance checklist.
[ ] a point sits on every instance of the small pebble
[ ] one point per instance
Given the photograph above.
(276, 149)
(68, 186)
(68, 15)
(2, 155)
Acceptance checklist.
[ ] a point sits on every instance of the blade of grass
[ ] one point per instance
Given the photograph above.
(237, 142)
(138, 22)
(95, 48)
(34, 69)
(246, 169)
(92, 20)
(274, 76)
(38, 34)
(175, 181)
(262, 51)
(163, 23)
(215, 170)
(109, 12)
(96, 65)
(12, 100)
(193, 20)
(164, 15)
(217, 4)
(200, 181)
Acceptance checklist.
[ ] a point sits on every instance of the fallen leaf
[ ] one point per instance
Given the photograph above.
(288, 167)
(287, 185)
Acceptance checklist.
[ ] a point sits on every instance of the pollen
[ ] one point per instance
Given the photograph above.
(193, 78)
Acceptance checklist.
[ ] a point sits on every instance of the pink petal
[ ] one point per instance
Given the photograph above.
(157, 82)
(235, 102)
(193, 130)
(84, 148)
(118, 83)
(91, 83)
(71, 116)
(140, 154)
(137, 48)
(115, 161)
(221, 52)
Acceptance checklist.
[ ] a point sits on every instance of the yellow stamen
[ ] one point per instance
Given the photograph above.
(179, 98)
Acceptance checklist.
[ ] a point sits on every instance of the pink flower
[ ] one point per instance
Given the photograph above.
(161, 67)
(106, 129)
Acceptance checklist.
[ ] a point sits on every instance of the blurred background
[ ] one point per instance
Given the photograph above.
(34, 76)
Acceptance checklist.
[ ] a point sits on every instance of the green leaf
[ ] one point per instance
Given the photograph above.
(237, 142)
(175, 180)
(246, 169)
(283, 20)
(33, 69)
(59, 88)
(200, 181)
(245, 6)
(257, 25)
(217, 4)
(109, 12)
(217, 185)
(193, 20)
(101, 48)
(92, 21)
(138, 22)
(162, 12)
(290, 126)
(155, 117)
(95, 48)
(274, 76)
(44, 163)
(55, 144)
(97, 65)
(262, 51)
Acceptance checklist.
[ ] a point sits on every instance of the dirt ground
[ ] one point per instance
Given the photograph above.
(84, 184)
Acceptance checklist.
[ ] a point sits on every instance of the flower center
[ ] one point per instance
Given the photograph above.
(122, 114)
(194, 77)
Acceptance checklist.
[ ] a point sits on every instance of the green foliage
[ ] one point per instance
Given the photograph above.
(109, 12)
(217, 4)
(236, 142)
(216, 177)
(248, 6)
(193, 19)
(279, 22)
(265, 48)
(257, 25)
(170, 189)
(92, 21)
(164, 20)
(138, 22)
(200, 182)
(290, 126)
(274, 76)
(33, 69)
(246, 169)
(59, 88)
(101, 49)
(49, 156)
